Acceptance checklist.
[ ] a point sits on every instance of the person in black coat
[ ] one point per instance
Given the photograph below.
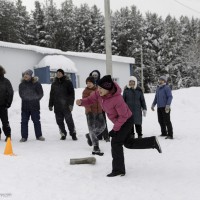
(62, 97)
(6, 98)
(135, 100)
(97, 75)
(31, 92)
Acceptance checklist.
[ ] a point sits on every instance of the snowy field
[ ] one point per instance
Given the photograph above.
(41, 170)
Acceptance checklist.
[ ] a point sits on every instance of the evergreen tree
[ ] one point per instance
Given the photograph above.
(38, 25)
(68, 17)
(22, 23)
(8, 29)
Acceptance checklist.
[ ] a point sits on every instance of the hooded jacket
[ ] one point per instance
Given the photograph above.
(62, 94)
(135, 100)
(113, 104)
(99, 76)
(31, 93)
(6, 92)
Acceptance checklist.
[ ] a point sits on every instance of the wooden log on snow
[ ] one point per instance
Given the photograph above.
(87, 160)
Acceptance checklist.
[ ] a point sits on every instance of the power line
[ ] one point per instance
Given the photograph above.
(187, 7)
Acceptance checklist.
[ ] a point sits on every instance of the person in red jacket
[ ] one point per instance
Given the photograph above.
(95, 118)
(110, 98)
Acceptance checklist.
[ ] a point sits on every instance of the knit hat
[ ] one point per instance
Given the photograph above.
(164, 78)
(106, 82)
(2, 71)
(90, 79)
(29, 72)
(61, 71)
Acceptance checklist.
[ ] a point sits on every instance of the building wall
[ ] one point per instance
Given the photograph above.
(15, 61)
(85, 66)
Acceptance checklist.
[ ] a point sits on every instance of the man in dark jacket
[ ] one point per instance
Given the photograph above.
(6, 97)
(62, 99)
(163, 99)
(31, 92)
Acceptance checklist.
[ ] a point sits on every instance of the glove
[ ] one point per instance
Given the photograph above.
(112, 133)
(51, 108)
(144, 113)
(70, 108)
(152, 107)
(167, 108)
(78, 102)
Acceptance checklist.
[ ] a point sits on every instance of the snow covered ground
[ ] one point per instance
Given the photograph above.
(41, 170)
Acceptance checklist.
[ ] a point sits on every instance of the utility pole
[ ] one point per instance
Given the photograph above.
(142, 76)
(108, 37)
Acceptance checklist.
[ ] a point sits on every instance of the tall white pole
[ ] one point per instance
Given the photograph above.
(108, 38)
(142, 76)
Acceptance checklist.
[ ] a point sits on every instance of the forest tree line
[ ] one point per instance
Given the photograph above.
(170, 46)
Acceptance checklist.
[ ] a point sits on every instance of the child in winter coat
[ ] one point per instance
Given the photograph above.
(135, 100)
(110, 98)
(95, 119)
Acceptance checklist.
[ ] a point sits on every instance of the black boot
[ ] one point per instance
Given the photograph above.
(89, 141)
(157, 145)
(74, 136)
(113, 174)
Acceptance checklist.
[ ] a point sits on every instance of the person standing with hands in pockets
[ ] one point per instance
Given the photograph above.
(163, 99)
(110, 98)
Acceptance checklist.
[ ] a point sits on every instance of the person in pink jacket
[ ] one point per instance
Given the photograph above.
(110, 98)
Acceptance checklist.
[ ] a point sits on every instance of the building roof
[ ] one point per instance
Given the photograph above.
(50, 51)
(56, 62)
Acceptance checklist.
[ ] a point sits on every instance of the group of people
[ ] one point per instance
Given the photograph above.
(101, 95)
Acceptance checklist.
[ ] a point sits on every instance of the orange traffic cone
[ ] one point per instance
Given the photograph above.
(8, 148)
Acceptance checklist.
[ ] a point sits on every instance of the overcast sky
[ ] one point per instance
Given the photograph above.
(161, 7)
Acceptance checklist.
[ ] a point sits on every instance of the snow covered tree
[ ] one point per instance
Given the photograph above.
(97, 31)
(53, 24)
(68, 36)
(83, 28)
(38, 25)
(8, 30)
(22, 23)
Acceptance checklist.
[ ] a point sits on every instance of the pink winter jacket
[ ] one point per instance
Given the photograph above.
(114, 106)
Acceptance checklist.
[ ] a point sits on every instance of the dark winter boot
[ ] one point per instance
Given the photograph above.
(97, 151)
(169, 137)
(63, 137)
(74, 136)
(157, 145)
(89, 141)
(113, 174)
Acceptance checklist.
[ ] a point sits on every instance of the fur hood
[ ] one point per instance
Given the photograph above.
(33, 79)
(132, 78)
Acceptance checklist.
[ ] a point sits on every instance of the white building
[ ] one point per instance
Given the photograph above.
(16, 58)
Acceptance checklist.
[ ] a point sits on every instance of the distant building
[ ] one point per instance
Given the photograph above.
(16, 58)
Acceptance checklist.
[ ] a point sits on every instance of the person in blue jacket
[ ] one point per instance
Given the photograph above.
(163, 99)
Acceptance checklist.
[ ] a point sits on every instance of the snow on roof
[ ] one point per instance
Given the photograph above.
(99, 56)
(56, 62)
(44, 50)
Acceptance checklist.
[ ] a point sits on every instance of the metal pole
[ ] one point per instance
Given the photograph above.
(142, 77)
(108, 38)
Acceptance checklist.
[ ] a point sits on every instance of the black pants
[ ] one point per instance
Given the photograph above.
(138, 128)
(165, 122)
(4, 119)
(124, 138)
(67, 116)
